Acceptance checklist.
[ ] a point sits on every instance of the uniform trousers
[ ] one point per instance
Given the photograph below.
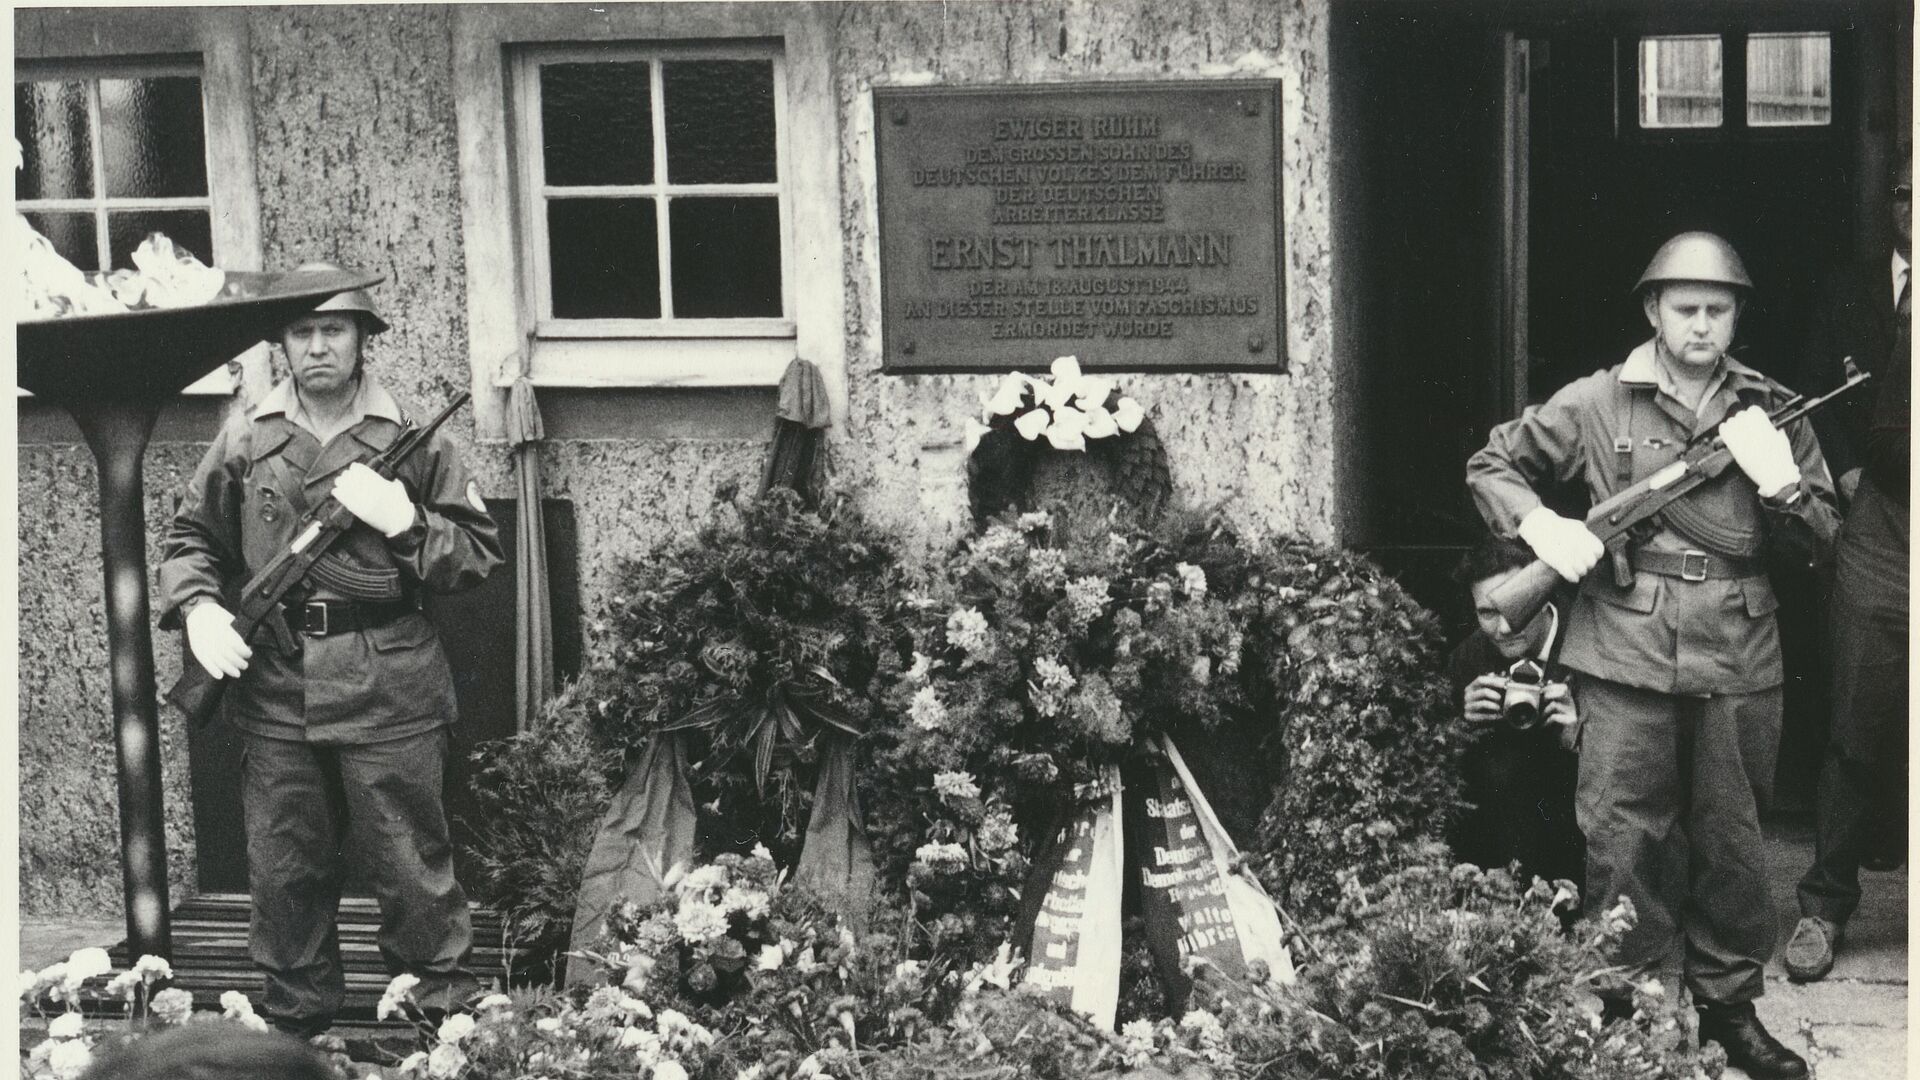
(1867, 744)
(313, 814)
(1669, 798)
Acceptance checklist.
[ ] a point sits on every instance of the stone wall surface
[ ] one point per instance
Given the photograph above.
(357, 162)
(1256, 442)
(69, 786)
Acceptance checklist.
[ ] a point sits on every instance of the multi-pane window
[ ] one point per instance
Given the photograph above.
(1786, 78)
(108, 157)
(655, 201)
(1680, 81)
(1789, 80)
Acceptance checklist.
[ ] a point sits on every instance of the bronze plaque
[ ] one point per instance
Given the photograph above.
(1134, 225)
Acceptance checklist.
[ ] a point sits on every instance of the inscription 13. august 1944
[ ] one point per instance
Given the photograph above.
(1135, 225)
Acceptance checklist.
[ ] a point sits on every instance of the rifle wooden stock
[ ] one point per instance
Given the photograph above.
(1520, 597)
(198, 692)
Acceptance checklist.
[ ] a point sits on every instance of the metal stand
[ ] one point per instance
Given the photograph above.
(117, 432)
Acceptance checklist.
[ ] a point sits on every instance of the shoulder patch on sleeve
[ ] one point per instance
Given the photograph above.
(473, 496)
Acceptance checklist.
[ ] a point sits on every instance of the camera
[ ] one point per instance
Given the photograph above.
(1520, 704)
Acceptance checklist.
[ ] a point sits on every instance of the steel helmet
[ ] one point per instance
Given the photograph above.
(1696, 256)
(355, 300)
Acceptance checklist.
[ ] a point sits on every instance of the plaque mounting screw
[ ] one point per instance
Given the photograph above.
(898, 114)
(1250, 106)
(909, 347)
(1256, 343)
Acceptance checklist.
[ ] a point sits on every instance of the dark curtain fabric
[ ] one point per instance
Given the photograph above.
(533, 622)
(799, 425)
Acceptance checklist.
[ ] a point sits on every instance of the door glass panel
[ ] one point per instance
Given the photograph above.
(1681, 82)
(596, 121)
(153, 139)
(719, 121)
(1789, 80)
(726, 258)
(605, 258)
(50, 120)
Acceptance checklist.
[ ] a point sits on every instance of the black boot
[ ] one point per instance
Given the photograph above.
(1748, 1045)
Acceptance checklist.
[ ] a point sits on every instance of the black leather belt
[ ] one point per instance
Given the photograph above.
(1696, 565)
(323, 618)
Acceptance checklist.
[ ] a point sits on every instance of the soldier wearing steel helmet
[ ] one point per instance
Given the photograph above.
(343, 706)
(1673, 643)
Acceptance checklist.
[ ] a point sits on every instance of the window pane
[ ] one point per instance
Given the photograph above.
(726, 258)
(50, 120)
(190, 231)
(719, 121)
(1680, 81)
(1789, 80)
(74, 236)
(152, 137)
(596, 121)
(605, 258)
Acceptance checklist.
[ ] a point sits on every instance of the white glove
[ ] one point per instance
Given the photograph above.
(1761, 450)
(214, 642)
(1562, 543)
(382, 504)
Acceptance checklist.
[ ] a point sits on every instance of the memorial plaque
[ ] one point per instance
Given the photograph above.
(1134, 225)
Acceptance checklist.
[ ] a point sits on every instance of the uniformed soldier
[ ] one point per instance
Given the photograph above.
(343, 708)
(1675, 642)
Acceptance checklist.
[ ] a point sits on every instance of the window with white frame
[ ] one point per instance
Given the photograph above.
(654, 199)
(110, 155)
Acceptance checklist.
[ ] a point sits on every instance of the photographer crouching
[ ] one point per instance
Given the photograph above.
(1521, 770)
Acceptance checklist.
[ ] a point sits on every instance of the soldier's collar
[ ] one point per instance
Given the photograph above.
(1642, 369)
(371, 400)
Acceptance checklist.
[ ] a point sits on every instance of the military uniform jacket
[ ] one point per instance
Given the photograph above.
(262, 473)
(1612, 429)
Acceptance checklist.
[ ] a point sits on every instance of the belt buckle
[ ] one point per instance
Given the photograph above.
(1693, 565)
(311, 625)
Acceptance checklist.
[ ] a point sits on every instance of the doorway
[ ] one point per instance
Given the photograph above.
(1502, 173)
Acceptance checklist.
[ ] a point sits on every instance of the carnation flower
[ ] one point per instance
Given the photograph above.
(752, 903)
(172, 1006)
(390, 1001)
(1205, 1025)
(926, 711)
(1086, 600)
(151, 968)
(1098, 712)
(669, 1069)
(699, 922)
(413, 1062)
(1035, 521)
(67, 1025)
(446, 1061)
(922, 667)
(1055, 676)
(1047, 568)
(495, 1001)
(956, 785)
(548, 1024)
(998, 832)
(998, 544)
(770, 958)
(1193, 580)
(126, 985)
(967, 631)
(86, 963)
(455, 1027)
(1137, 1043)
(701, 879)
(942, 858)
(70, 1059)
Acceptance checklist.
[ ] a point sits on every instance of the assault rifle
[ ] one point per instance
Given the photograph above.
(1520, 597)
(197, 694)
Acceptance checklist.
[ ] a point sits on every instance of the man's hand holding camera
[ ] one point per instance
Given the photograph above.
(1523, 699)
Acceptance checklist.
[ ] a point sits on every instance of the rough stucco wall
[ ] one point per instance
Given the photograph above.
(1260, 442)
(69, 788)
